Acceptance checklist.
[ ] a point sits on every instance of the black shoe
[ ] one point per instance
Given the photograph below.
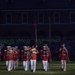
(43, 69)
(31, 70)
(61, 69)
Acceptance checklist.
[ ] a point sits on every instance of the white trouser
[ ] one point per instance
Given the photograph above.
(26, 65)
(45, 65)
(29, 65)
(63, 65)
(12, 63)
(15, 64)
(8, 65)
(33, 65)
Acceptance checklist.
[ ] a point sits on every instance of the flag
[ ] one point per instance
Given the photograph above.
(35, 26)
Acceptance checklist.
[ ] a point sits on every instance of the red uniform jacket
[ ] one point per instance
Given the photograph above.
(45, 54)
(15, 55)
(25, 55)
(8, 55)
(34, 53)
(63, 54)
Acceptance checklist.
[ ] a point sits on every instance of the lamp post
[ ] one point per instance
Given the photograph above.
(49, 31)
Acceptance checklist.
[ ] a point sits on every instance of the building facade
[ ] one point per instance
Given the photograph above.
(17, 18)
(54, 18)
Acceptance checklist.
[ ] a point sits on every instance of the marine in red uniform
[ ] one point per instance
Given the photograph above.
(8, 56)
(64, 57)
(25, 55)
(18, 55)
(45, 57)
(33, 58)
(15, 58)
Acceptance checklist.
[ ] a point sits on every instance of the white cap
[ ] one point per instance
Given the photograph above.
(13, 48)
(63, 45)
(24, 46)
(8, 46)
(44, 46)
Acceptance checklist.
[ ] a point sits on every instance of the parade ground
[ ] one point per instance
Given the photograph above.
(54, 69)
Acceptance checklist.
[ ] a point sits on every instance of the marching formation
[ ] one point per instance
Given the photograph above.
(29, 57)
(11, 56)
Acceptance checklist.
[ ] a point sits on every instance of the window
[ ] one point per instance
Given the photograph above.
(56, 17)
(41, 18)
(9, 1)
(8, 18)
(24, 18)
(72, 17)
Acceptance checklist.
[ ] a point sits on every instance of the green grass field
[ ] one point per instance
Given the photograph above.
(54, 69)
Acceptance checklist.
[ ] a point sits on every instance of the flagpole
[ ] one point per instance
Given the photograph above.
(36, 36)
(35, 31)
(49, 32)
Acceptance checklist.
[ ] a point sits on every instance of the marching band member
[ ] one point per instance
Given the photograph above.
(33, 53)
(45, 57)
(18, 55)
(8, 56)
(15, 58)
(64, 57)
(25, 55)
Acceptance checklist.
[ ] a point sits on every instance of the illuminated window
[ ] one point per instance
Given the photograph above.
(72, 17)
(56, 17)
(24, 18)
(8, 18)
(41, 18)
